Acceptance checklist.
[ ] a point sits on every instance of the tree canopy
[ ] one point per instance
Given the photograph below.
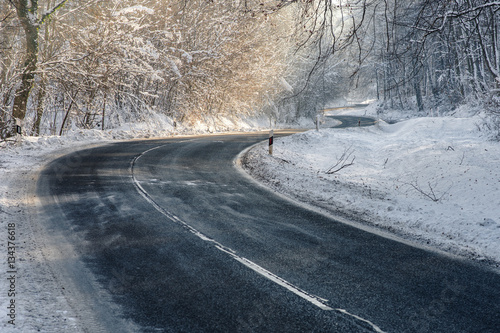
(96, 64)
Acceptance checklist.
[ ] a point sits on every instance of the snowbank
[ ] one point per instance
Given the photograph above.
(431, 180)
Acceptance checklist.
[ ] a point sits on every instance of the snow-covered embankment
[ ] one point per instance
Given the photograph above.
(435, 181)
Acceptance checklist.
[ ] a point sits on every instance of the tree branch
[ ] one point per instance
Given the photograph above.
(52, 11)
(343, 161)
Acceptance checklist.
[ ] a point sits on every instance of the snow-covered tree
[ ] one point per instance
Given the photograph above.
(31, 21)
(100, 63)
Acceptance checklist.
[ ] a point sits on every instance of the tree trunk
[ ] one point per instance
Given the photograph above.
(418, 94)
(103, 112)
(27, 79)
(66, 116)
(27, 12)
(39, 111)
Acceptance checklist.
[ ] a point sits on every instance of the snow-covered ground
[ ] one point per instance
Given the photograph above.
(397, 170)
(433, 180)
(37, 303)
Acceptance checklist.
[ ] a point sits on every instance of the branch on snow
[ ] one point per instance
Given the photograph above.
(344, 161)
(430, 193)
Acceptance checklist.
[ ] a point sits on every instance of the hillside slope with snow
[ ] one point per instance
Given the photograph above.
(434, 181)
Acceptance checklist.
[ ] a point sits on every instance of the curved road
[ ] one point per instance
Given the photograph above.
(179, 240)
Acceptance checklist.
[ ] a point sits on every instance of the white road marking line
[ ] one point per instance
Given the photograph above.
(315, 300)
(319, 302)
(375, 327)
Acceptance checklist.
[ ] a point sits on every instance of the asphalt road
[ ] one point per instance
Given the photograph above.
(179, 240)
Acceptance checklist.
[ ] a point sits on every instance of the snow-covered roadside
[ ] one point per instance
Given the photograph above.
(39, 303)
(434, 181)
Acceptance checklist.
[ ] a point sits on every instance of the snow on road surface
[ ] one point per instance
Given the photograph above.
(434, 181)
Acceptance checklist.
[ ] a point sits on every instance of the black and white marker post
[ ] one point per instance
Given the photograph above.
(271, 139)
(18, 129)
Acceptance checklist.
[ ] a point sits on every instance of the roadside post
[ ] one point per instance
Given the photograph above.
(18, 126)
(317, 122)
(18, 130)
(271, 139)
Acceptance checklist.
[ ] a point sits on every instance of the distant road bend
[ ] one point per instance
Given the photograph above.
(179, 240)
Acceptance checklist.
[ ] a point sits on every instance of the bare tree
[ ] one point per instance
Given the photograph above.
(440, 53)
(27, 13)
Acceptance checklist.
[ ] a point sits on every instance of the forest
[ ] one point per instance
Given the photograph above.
(97, 64)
